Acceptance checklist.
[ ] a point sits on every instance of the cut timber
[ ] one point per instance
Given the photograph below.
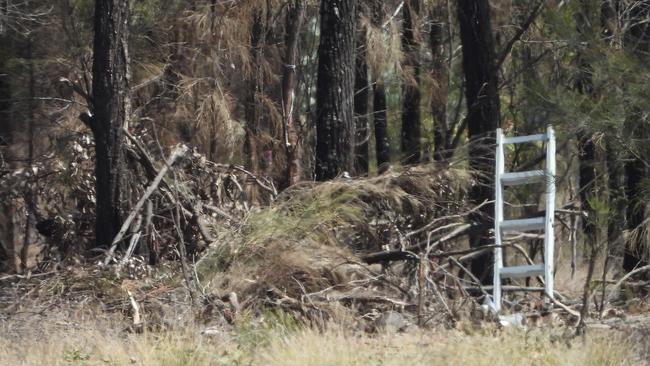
(519, 178)
(522, 139)
(534, 223)
(522, 271)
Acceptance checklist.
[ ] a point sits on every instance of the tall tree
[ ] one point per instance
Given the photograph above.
(483, 116)
(335, 129)
(111, 107)
(411, 89)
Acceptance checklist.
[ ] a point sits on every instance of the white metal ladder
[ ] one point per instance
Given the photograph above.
(504, 179)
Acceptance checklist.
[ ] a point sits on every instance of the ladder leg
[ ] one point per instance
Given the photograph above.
(498, 218)
(549, 237)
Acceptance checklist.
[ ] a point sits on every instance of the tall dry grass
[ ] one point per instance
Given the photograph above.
(309, 347)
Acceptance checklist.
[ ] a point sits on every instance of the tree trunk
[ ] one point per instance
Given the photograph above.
(440, 76)
(382, 142)
(587, 154)
(411, 134)
(361, 93)
(637, 41)
(483, 116)
(6, 208)
(29, 195)
(335, 129)
(5, 95)
(252, 112)
(295, 18)
(111, 109)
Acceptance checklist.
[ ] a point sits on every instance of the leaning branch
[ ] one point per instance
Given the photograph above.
(393, 255)
(177, 153)
(520, 32)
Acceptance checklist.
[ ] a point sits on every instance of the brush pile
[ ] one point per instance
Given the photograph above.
(388, 250)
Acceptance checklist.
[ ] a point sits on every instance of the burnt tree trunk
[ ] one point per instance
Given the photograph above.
(411, 134)
(382, 142)
(440, 76)
(111, 108)
(361, 94)
(295, 19)
(335, 129)
(483, 116)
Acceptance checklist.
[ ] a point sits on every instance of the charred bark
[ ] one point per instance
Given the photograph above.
(111, 109)
(483, 115)
(411, 134)
(335, 129)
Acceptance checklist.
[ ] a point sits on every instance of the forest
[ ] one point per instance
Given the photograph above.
(319, 182)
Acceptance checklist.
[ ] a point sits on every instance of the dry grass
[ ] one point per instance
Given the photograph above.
(310, 239)
(309, 347)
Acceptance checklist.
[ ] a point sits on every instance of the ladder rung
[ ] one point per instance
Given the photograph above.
(534, 223)
(521, 139)
(529, 177)
(522, 271)
(507, 288)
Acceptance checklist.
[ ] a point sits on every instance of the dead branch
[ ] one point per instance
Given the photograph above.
(177, 153)
(399, 254)
(222, 213)
(137, 319)
(626, 277)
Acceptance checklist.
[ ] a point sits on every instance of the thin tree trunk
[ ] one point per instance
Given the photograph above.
(361, 94)
(382, 142)
(617, 218)
(295, 19)
(636, 172)
(587, 156)
(251, 146)
(411, 133)
(29, 195)
(440, 76)
(111, 109)
(6, 137)
(335, 129)
(483, 116)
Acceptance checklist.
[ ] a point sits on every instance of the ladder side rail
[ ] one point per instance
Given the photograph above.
(549, 237)
(498, 218)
